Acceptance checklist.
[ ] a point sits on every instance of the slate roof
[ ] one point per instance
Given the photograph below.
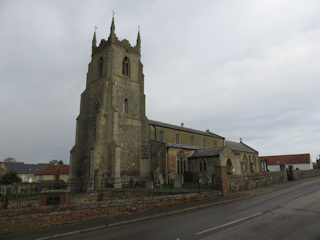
(206, 152)
(175, 145)
(56, 169)
(240, 147)
(288, 159)
(26, 168)
(166, 125)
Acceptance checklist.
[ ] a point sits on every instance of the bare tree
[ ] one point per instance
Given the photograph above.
(10, 159)
(53, 162)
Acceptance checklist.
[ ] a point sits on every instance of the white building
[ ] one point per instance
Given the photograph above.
(298, 161)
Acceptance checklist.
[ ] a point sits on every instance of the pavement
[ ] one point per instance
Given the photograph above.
(102, 223)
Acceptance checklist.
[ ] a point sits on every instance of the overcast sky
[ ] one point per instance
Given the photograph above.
(245, 69)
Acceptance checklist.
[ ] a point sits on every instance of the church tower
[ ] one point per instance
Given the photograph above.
(112, 135)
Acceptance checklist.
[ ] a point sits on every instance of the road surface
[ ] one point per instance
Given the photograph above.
(289, 213)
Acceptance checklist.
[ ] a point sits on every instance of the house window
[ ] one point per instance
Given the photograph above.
(126, 106)
(41, 177)
(100, 67)
(125, 66)
(191, 140)
(161, 136)
(23, 177)
(177, 138)
(204, 142)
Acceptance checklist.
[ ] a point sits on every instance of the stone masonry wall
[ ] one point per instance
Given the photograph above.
(300, 174)
(250, 182)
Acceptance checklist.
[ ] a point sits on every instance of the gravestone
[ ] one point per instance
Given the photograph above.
(177, 183)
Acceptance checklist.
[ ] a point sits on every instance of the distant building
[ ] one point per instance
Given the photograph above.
(298, 161)
(25, 171)
(54, 174)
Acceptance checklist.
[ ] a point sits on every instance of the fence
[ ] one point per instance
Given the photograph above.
(21, 195)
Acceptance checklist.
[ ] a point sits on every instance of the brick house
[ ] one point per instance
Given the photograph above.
(53, 173)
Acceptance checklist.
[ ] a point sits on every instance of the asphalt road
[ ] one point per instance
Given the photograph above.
(289, 213)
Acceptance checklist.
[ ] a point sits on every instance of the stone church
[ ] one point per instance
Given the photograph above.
(116, 143)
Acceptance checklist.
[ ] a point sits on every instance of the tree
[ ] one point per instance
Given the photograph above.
(9, 177)
(10, 159)
(53, 162)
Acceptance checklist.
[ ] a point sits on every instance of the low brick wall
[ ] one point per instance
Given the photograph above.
(300, 174)
(250, 182)
(18, 220)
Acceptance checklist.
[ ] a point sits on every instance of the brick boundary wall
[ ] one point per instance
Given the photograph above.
(19, 220)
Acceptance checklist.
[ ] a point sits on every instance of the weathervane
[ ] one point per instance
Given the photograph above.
(112, 13)
(95, 28)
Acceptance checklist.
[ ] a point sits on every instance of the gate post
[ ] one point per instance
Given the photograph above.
(222, 182)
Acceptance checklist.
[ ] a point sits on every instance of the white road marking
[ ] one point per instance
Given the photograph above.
(239, 220)
(292, 201)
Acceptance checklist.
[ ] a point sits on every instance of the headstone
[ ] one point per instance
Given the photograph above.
(177, 183)
(149, 185)
(161, 179)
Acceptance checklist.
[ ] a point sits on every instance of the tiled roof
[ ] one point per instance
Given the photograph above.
(206, 152)
(240, 147)
(48, 183)
(56, 169)
(288, 159)
(166, 125)
(26, 168)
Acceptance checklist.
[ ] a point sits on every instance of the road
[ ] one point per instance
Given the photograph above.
(289, 213)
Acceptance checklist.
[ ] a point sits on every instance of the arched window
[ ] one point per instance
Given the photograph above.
(177, 138)
(100, 67)
(125, 67)
(191, 140)
(203, 166)
(204, 142)
(126, 106)
(229, 167)
(181, 162)
(161, 136)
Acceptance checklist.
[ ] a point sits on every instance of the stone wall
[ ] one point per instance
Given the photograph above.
(300, 174)
(18, 220)
(250, 182)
